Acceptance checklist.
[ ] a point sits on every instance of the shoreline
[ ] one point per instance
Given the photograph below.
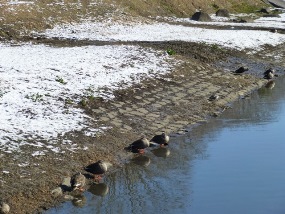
(172, 102)
(169, 103)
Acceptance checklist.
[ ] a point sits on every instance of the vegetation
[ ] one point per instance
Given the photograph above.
(243, 7)
(60, 80)
(39, 16)
(35, 97)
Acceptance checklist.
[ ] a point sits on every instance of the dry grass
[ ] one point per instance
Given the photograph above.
(42, 14)
(185, 8)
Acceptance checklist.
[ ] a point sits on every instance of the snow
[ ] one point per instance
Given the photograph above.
(32, 100)
(20, 2)
(262, 22)
(157, 31)
(36, 81)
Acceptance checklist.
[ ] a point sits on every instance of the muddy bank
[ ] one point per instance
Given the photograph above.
(165, 103)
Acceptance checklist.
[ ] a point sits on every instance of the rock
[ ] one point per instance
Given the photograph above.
(273, 30)
(57, 192)
(201, 16)
(216, 114)
(277, 3)
(65, 184)
(68, 197)
(265, 10)
(223, 13)
(4, 208)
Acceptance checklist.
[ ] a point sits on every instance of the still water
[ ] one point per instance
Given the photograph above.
(234, 164)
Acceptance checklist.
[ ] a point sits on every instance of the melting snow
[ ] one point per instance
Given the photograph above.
(156, 31)
(262, 22)
(35, 81)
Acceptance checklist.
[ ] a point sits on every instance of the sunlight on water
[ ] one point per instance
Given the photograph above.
(232, 164)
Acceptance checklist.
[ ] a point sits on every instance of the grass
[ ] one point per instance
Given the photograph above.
(37, 16)
(83, 102)
(245, 7)
(35, 97)
(170, 51)
(215, 6)
(214, 47)
(2, 93)
(60, 80)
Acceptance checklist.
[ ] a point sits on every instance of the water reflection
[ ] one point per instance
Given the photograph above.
(270, 84)
(99, 189)
(161, 152)
(141, 160)
(79, 201)
(232, 164)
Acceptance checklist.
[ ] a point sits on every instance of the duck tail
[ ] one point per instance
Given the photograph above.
(128, 148)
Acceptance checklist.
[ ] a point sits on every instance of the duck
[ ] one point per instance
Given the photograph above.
(98, 169)
(161, 139)
(78, 181)
(269, 74)
(242, 69)
(139, 145)
(214, 97)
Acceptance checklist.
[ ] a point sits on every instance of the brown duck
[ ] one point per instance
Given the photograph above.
(78, 181)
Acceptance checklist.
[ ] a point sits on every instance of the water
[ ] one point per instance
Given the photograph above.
(232, 164)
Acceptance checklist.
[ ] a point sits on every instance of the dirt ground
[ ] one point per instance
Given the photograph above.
(168, 103)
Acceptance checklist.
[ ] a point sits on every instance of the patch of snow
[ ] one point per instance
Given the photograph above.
(23, 164)
(21, 2)
(38, 153)
(104, 31)
(37, 80)
(262, 22)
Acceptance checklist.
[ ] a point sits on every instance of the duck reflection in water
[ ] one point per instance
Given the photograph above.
(161, 152)
(99, 189)
(270, 84)
(79, 201)
(141, 160)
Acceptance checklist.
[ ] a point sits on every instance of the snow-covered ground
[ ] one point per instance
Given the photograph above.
(36, 80)
(262, 22)
(157, 31)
